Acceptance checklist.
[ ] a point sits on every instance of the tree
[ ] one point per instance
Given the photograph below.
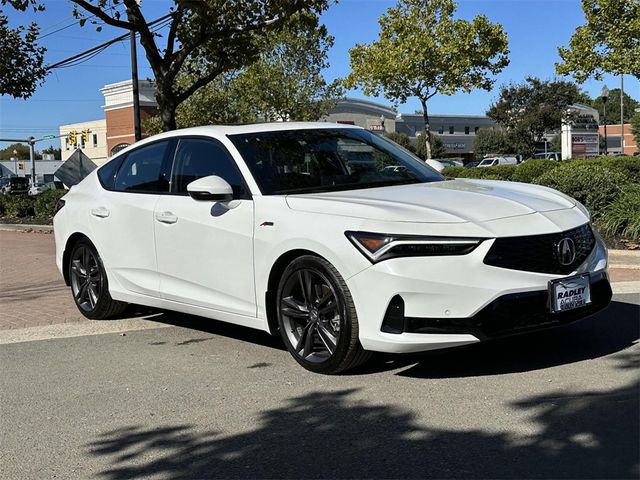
(285, 83)
(56, 152)
(613, 106)
(21, 58)
(530, 109)
(635, 128)
(21, 149)
(607, 43)
(556, 143)
(422, 51)
(205, 39)
(491, 141)
(436, 147)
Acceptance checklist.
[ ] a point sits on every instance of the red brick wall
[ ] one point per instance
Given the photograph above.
(630, 146)
(120, 125)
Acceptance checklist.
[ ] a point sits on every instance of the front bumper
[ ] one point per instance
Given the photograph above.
(458, 300)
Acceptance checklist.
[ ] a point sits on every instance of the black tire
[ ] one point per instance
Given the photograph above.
(323, 344)
(89, 285)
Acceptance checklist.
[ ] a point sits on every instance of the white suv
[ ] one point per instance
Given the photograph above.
(303, 230)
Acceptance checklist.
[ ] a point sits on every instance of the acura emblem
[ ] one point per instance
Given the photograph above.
(566, 251)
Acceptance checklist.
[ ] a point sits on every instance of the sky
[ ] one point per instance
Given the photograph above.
(535, 29)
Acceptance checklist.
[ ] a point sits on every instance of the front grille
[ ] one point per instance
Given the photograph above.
(539, 253)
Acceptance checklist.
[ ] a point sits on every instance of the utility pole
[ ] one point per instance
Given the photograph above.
(32, 156)
(136, 93)
(622, 113)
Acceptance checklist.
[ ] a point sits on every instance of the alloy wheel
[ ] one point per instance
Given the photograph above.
(86, 278)
(312, 315)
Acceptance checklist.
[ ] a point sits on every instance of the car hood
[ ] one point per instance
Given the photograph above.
(451, 201)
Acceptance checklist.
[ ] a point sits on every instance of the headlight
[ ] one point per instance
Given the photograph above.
(377, 247)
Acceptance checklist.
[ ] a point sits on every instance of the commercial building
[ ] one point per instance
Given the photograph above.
(111, 134)
(614, 137)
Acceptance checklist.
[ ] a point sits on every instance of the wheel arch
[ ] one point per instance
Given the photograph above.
(272, 284)
(71, 241)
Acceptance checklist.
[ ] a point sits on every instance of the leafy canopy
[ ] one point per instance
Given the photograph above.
(422, 50)
(608, 43)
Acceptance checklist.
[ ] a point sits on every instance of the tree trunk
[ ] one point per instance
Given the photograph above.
(166, 109)
(427, 129)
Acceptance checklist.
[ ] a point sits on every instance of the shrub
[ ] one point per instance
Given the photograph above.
(628, 166)
(594, 185)
(622, 217)
(45, 203)
(18, 206)
(528, 171)
(499, 172)
(455, 172)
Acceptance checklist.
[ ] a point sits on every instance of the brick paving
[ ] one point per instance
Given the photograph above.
(32, 292)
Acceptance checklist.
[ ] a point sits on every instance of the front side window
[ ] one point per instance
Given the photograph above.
(142, 170)
(196, 158)
(322, 160)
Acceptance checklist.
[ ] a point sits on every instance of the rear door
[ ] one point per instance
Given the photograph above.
(205, 248)
(122, 217)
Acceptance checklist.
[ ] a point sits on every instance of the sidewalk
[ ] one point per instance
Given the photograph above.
(32, 292)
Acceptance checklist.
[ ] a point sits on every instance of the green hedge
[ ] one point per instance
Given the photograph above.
(40, 206)
(499, 172)
(622, 216)
(528, 171)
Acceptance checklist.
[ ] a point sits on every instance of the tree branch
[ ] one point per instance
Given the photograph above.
(98, 12)
(173, 30)
(201, 82)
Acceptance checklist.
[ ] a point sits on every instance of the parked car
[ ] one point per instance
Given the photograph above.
(14, 185)
(437, 165)
(37, 189)
(471, 164)
(55, 185)
(557, 156)
(493, 161)
(267, 226)
(450, 163)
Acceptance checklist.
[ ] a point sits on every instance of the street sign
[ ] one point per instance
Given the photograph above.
(48, 137)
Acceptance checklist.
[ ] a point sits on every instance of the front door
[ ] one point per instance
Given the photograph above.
(205, 248)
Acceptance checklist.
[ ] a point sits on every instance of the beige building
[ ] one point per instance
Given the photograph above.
(95, 148)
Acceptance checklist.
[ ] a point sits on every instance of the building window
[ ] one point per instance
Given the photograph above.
(95, 140)
(450, 130)
(81, 141)
(441, 129)
(66, 143)
(475, 130)
(466, 130)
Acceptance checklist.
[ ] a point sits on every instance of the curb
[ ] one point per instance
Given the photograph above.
(19, 227)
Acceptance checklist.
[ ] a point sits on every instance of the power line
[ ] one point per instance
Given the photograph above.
(92, 52)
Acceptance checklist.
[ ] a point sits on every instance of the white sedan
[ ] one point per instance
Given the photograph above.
(302, 230)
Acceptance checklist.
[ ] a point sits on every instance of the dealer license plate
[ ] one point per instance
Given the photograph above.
(570, 293)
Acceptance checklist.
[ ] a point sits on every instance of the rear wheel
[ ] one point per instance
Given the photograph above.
(89, 283)
(317, 317)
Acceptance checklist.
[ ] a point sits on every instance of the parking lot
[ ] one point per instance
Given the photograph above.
(165, 395)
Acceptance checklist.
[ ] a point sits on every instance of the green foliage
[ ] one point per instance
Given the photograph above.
(556, 143)
(627, 166)
(205, 39)
(38, 206)
(21, 149)
(607, 43)
(422, 50)
(635, 128)
(284, 83)
(455, 172)
(499, 172)
(595, 185)
(528, 171)
(21, 58)
(622, 216)
(613, 106)
(419, 147)
(401, 139)
(530, 109)
(490, 141)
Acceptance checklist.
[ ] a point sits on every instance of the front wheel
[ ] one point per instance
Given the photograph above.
(89, 283)
(317, 317)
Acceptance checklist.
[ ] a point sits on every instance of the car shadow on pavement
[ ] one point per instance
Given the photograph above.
(578, 434)
(610, 331)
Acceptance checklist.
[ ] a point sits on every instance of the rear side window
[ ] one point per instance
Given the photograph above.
(107, 173)
(142, 171)
(198, 157)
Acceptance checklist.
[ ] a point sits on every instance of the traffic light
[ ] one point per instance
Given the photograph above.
(73, 138)
(85, 136)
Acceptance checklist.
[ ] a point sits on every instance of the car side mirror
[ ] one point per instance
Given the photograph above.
(211, 188)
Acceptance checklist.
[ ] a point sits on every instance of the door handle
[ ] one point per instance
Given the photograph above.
(100, 212)
(166, 217)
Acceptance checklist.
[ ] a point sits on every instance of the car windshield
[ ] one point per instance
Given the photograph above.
(324, 160)
(487, 161)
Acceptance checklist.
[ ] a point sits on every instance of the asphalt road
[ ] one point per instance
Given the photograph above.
(191, 398)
